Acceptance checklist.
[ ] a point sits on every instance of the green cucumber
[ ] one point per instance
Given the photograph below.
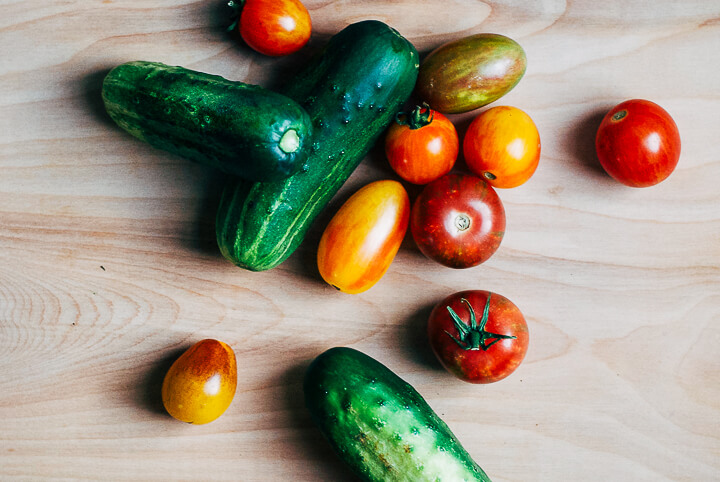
(379, 425)
(352, 91)
(241, 129)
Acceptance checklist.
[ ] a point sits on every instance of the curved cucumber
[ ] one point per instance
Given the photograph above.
(379, 424)
(352, 91)
(239, 128)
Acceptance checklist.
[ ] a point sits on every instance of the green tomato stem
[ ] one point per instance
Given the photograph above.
(474, 337)
(416, 118)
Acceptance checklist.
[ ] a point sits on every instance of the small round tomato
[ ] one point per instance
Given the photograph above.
(364, 236)
(200, 385)
(638, 143)
(478, 336)
(274, 27)
(502, 145)
(422, 146)
(458, 221)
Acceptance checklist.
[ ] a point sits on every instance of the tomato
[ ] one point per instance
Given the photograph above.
(364, 236)
(422, 146)
(201, 383)
(274, 27)
(470, 72)
(502, 145)
(638, 143)
(482, 350)
(458, 221)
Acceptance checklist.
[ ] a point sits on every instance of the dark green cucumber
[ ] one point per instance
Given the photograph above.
(379, 425)
(352, 91)
(241, 129)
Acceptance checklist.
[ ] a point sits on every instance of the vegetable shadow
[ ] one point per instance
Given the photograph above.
(580, 140)
(313, 444)
(91, 86)
(150, 391)
(412, 336)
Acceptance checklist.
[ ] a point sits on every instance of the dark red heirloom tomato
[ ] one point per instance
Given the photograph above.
(478, 346)
(638, 143)
(273, 27)
(458, 221)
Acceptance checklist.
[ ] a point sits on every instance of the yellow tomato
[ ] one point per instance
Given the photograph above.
(201, 384)
(362, 239)
(502, 145)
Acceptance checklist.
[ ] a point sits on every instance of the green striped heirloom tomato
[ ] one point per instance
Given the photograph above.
(361, 240)
(478, 336)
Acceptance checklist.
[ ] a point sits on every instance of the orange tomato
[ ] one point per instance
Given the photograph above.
(422, 146)
(275, 27)
(201, 384)
(363, 237)
(502, 145)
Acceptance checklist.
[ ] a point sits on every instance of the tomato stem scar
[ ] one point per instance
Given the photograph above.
(462, 222)
(619, 115)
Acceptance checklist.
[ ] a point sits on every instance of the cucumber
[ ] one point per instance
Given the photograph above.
(352, 91)
(379, 425)
(241, 129)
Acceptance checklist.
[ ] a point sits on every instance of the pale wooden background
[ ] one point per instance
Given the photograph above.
(109, 269)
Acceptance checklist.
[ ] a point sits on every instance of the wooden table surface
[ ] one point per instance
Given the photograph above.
(109, 267)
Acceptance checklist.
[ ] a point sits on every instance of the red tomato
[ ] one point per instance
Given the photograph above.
(422, 146)
(458, 221)
(274, 27)
(503, 146)
(482, 350)
(638, 143)
(361, 240)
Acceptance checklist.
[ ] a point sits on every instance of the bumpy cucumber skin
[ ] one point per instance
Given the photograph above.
(352, 91)
(379, 425)
(232, 126)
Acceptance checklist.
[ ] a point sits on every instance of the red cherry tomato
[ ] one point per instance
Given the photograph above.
(458, 221)
(638, 143)
(478, 336)
(422, 146)
(274, 27)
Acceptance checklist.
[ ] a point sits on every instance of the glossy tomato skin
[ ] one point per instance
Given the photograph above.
(275, 27)
(422, 146)
(458, 221)
(502, 145)
(201, 383)
(638, 143)
(363, 237)
(470, 72)
(481, 365)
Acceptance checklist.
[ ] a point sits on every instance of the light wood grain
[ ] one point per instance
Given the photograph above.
(109, 269)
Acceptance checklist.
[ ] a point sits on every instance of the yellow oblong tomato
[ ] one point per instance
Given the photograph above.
(201, 383)
(502, 145)
(363, 237)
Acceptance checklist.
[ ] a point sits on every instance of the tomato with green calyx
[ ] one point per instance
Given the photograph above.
(478, 351)
(363, 237)
(502, 145)
(638, 143)
(458, 221)
(421, 145)
(272, 27)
